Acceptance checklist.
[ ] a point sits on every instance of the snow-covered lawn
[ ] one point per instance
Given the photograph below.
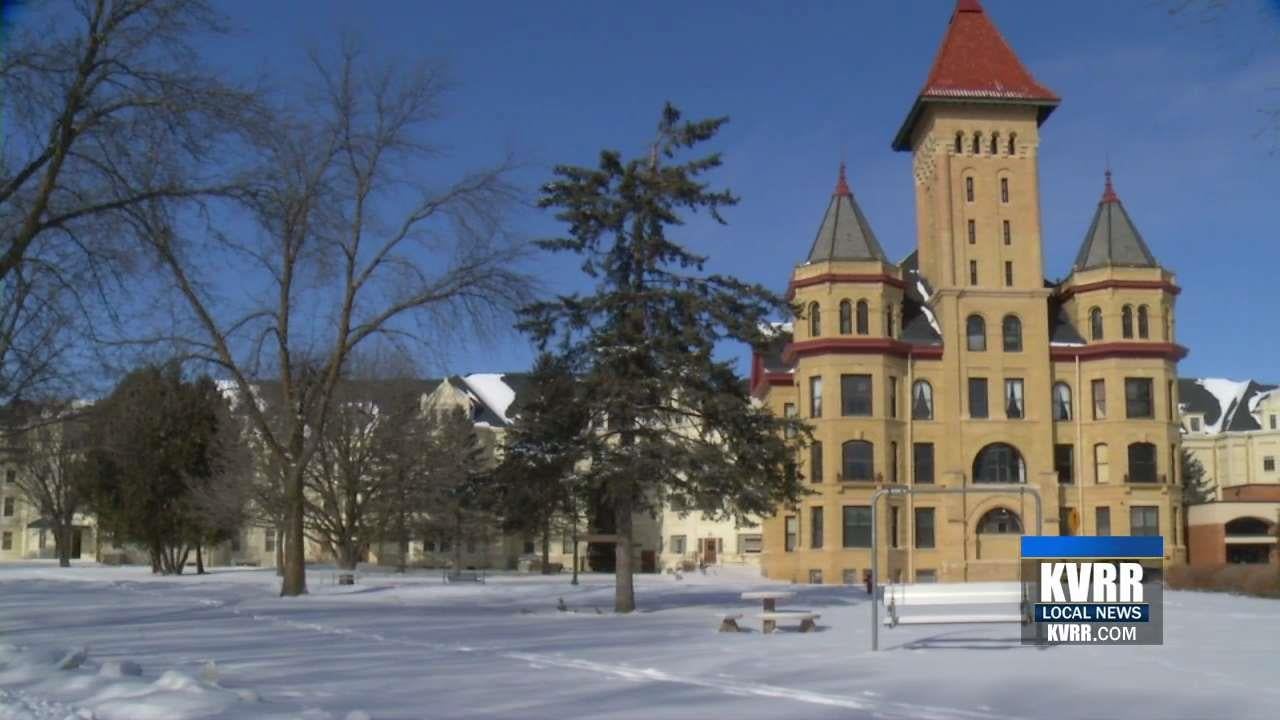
(226, 646)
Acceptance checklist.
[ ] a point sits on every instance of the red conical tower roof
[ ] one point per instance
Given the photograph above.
(974, 63)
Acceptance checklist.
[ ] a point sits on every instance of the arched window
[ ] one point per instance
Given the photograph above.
(959, 141)
(1248, 526)
(1126, 322)
(921, 400)
(1144, 328)
(1013, 143)
(863, 318)
(888, 322)
(1142, 463)
(999, 463)
(1000, 521)
(857, 460)
(1095, 324)
(815, 320)
(976, 330)
(1012, 331)
(995, 143)
(1061, 401)
(846, 317)
(977, 143)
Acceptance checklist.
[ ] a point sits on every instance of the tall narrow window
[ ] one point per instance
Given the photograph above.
(815, 462)
(893, 396)
(789, 411)
(857, 526)
(922, 400)
(863, 318)
(976, 331)
(1061, 401)
(855, 395)
(894, 531)
(1102, 521)
(1144, 328)
(1173, 464)
(1101, 463)
(1095, 324)
(792, 533)
(973, 232)
(1014, 408)
(1013, 143)
(977, 397)
(815, 320)
(977, 143)
(1004, 188)
(1126, 322)
(846, 317)
(973, 272)
(1008, 233)
(815, 397)
(959, 142)
(815, 528)
(1099, 388)
(995, 143)
(1011, 330)
(1064, 463)
(924, 528)
(858, 461)
(1008, 273)
(1137, 398)
(1142, 463)
(922, 463)
(888, 322)
(893, 462)
(1169, 403)
(968, 189)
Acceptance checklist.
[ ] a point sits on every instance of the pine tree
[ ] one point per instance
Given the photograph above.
(668, 418)
(534, 488)
(1196, 488)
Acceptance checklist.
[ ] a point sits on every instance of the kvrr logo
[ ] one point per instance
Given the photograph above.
(1090, 582)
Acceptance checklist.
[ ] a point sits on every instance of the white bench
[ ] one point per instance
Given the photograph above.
(729, 622)
(1002, 602)
(806, 619)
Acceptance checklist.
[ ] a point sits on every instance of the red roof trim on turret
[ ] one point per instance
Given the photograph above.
(975, 63)
(842, 184)
(1108, 192)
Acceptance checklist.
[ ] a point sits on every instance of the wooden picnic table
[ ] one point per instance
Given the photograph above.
(768, 598)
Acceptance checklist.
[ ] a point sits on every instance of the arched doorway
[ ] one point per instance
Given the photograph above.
(1000, 521)
(999, 463)
(998, 536)
(1240, 531)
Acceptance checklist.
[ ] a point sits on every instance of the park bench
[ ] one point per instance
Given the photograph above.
(806, 620)
(999, 602)
(453, 576)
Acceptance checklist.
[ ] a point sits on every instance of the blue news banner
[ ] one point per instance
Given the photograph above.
(1093, 590)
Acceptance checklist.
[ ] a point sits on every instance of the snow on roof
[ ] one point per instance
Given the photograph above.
(492, 391)
(1258, 398)
(1228, 394)
(928, 313)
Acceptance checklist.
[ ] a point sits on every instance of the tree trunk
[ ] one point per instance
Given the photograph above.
(279, 551)
(624, 596)
(157, 564)
(62, 544)
(199, 559)
(348, 556)
(546, 548)
(295, 559)
(403, 565)
(574, 581)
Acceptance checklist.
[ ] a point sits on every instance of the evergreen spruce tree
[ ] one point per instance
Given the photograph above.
(533, 490)
(668, 418)
(1196, 488)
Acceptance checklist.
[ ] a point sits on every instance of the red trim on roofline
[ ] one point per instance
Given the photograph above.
(1164, 285)
(1107, 351)
(883, 278)
(860, 346)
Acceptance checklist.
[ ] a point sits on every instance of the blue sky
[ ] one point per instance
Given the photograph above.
(1176, 103)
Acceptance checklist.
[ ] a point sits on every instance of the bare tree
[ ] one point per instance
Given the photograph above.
(106, 106)
(53, 476)
(352, 244)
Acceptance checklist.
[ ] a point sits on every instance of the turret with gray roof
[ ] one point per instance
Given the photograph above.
(845, 233)
(1112, 239)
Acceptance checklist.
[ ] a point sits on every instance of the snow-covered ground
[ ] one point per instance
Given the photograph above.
(226, 646)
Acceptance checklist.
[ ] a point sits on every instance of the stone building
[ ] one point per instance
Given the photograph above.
(961, 366)
(1233, 429)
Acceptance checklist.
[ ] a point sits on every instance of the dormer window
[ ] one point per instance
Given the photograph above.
(1195, 423)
